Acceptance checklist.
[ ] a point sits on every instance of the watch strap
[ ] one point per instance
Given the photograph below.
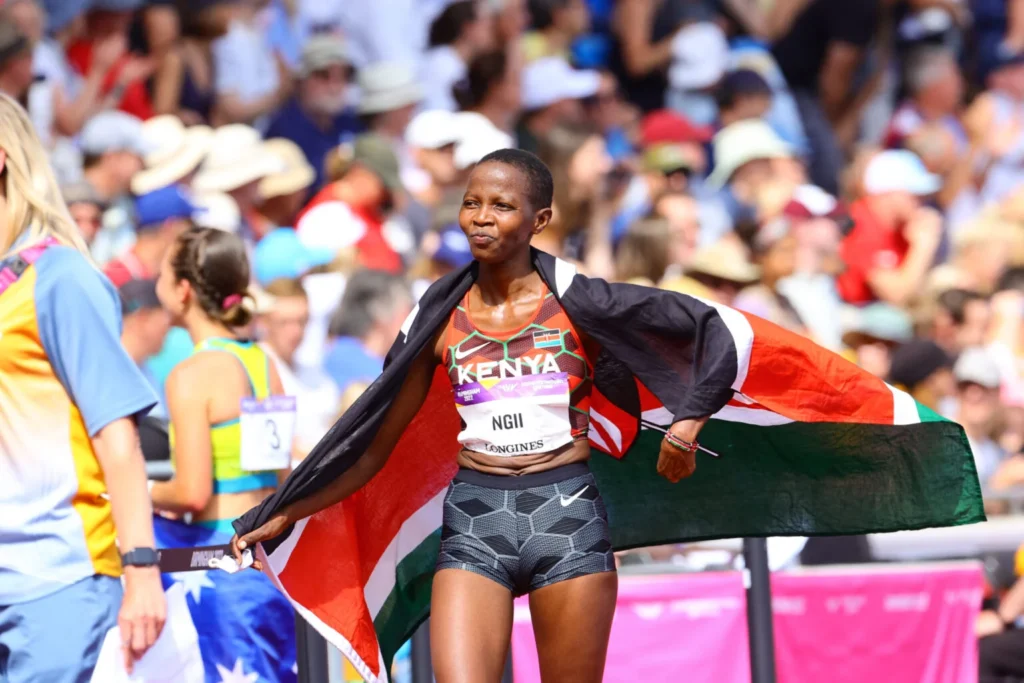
(141, 557)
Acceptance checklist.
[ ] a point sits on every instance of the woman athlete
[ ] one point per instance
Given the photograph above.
(202, 283)
(540, 486)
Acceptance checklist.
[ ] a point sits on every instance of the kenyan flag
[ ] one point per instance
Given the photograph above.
(809, 445)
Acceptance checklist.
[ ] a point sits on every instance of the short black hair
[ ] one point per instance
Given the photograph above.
(448, 27)
(1012, 279)
(542, 12)
(540, 184)
(740, 83)
(955, 302)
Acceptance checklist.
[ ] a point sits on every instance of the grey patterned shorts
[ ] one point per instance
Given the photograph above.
(526, 532)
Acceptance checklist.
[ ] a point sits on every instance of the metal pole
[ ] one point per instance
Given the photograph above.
(759, 611)
(310, 653)
(422, 669)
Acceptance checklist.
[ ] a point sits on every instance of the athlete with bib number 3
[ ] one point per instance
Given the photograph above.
(523, 514)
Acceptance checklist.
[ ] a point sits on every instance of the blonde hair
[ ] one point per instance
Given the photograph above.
(34, 203)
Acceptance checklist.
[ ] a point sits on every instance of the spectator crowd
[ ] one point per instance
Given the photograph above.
(852, 170)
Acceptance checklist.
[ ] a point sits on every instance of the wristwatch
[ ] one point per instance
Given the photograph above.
(141, 557)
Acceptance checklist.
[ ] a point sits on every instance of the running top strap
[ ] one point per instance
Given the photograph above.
(12, 267)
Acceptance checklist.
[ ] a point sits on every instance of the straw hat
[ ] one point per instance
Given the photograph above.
(725, 262)
(236, 158)
(296, 173)
(176, 152)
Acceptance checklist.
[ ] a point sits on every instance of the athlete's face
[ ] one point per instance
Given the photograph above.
(497, 215)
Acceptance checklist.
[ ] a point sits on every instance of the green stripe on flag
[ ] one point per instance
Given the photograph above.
(926, 414)
(799, 479)
(408, 604)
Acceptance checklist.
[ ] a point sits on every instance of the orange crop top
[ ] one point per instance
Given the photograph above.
(522, 391)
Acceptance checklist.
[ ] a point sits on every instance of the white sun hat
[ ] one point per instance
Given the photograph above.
(177, 152)
(236, 158)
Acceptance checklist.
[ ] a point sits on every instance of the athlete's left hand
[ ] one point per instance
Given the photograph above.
(673, 463)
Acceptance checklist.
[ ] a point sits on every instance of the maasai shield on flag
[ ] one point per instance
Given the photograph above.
(809, 444)
(246, 627)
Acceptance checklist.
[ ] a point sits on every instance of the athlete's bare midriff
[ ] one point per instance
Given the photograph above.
(577, 451)
(231, 505)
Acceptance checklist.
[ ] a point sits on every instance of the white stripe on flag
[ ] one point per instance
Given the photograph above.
(751, 416)
(413, 532)
(904, 407)
(564, 274)
(742, 336)
(409, 319)
(614, 432)
(276, 563)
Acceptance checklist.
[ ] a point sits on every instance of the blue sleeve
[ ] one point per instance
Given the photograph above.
(79, 317)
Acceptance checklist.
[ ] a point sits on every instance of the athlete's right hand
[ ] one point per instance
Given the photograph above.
(274, 527)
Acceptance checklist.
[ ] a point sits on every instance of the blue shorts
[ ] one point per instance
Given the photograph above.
(57, 638)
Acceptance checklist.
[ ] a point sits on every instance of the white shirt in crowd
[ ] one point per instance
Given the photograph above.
(316, 400)
(441, 69)
(244, 63)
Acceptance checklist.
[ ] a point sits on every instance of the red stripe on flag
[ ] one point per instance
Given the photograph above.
(795, 377)
(358, 530)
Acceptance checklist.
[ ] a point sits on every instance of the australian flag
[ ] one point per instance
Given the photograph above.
(246, 626)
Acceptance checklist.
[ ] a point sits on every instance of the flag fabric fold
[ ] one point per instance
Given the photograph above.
(809, 445)
(246, 627)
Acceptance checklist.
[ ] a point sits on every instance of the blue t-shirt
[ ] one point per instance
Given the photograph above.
(348, 362)
(292, 124)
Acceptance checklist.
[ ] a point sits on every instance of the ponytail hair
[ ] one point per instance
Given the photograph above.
(215, 264)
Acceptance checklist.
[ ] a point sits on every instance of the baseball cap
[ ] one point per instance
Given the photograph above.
(810, 201)
(551, 79)
(153, 208)
(876, 322)
(700, 55)
(376, 153)
(454, 247)
(665, 125)
(433, 129)
(667, 157)
(899, 170)
(913, 362)
(976, 366)
(478, 137)
(113, 131)
(82, 192)
(138, 295)
(321, 52)
(280, 254)
(742, 142)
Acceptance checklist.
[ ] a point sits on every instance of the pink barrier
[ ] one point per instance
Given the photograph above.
(907, 623)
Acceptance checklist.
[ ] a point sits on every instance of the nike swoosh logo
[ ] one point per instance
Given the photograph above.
(462, 353)
(566, 502)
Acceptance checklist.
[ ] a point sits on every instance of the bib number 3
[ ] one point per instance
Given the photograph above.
(268, 427)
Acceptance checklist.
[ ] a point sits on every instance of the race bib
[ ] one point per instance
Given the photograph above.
(268, 427)
(515, 415)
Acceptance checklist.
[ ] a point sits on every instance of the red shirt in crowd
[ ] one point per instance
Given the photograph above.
(135, 100)
(126, 268)
(870, 245)
(329, 222)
